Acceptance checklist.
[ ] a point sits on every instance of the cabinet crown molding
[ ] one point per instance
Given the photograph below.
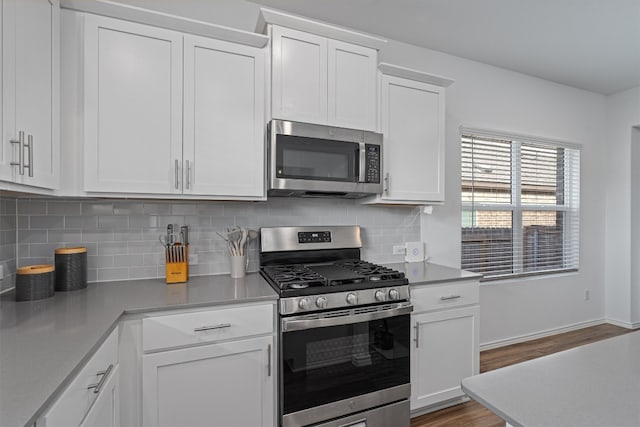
(411, 74)
(296, 22)
(141, 15)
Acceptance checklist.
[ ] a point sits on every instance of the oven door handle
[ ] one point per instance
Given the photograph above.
(304, 322)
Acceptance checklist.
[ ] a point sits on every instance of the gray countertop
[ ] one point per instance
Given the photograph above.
(590, 386)
(44, 343)
(425, 273)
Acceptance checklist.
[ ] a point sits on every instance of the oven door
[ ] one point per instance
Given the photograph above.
(344, 361)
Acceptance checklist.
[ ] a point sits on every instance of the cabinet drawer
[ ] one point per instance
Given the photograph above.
(176, 330)
(436, 297)
(74, 403)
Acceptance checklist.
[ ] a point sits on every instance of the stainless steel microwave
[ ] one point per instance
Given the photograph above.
(308, 160)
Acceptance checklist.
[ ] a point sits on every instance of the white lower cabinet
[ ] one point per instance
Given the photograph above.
(215, 368)
(446, 342)
(92, 398)
(228, 384)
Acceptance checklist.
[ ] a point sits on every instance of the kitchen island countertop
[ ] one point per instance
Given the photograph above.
(590, 386)
(44, 343)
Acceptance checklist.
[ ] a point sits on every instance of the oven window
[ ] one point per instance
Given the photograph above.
(310, 158)
(323, 365)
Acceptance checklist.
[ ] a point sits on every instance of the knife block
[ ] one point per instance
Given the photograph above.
(177, 264)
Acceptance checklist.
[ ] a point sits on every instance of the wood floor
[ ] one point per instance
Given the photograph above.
(472, 414)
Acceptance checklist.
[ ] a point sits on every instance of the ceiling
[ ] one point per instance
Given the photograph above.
(589, 44)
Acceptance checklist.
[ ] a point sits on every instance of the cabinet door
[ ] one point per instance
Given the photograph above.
(30, 46)
(227, 384)
(105, 411)
(133, 107)
(224, 120)
(299, 76)
(352, 94)
(412, 121)
(445, 351)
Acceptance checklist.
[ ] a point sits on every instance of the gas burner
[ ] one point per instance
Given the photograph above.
(299, 285)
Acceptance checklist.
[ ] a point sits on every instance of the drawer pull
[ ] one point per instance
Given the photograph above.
(449, 297)
(211, 327)
(105, 374)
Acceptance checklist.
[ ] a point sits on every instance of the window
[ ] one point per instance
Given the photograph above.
(520, 205)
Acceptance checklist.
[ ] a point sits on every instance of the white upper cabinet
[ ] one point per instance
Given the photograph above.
(224, 119)
(352, 94)
(299, 80)
(412, 119)
(320, 73)
(169, 113)
(30, 93)
(133, 107)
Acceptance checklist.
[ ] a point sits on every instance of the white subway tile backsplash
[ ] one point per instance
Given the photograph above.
(97, 208)
(63, 208)
(46, 222)
(31, 207)
(122, 236)
(111, 222)
(110, 274)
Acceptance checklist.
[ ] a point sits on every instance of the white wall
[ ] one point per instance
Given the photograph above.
(623, 112)
(492, 98)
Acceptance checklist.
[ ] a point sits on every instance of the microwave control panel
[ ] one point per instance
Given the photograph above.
(372, 164)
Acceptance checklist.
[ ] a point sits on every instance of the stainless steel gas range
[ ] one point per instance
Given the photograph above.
(344, 329)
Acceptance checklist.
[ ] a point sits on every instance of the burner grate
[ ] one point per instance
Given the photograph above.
(374, 272)
(294, 276)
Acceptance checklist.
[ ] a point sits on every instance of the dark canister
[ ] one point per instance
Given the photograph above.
(71, 269)
(35, 282)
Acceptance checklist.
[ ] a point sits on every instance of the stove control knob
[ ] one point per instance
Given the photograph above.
(322, 302)
(352, 298)
(380, 295)
(394, 294)
(303, 303)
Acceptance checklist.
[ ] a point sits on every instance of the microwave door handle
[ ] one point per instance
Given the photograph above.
(363, 162)
(302, 322)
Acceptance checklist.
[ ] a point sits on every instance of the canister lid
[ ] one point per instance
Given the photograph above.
(76, 250)
(35, 269)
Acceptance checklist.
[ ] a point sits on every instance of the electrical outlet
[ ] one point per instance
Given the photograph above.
(587, 295)
(399, 250)
(193, 259)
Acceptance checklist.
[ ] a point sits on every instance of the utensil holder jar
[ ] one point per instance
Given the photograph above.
(34, 282)
(71, 269)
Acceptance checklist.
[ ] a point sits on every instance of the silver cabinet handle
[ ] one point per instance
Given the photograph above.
(450, 297)
(20, 142)
(417, 340)
(30, 147)
(188, 174)
(387, 181)
(105, 374)
(177, 167)
(269, 360)
(211, 327)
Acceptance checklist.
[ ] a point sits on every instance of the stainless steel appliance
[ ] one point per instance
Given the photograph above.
(344, 329)
(310, 160)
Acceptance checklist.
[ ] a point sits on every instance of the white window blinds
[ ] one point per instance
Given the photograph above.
(520, 205)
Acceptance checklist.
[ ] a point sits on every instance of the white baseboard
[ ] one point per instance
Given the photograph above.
(622, 324)
(542, 334)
